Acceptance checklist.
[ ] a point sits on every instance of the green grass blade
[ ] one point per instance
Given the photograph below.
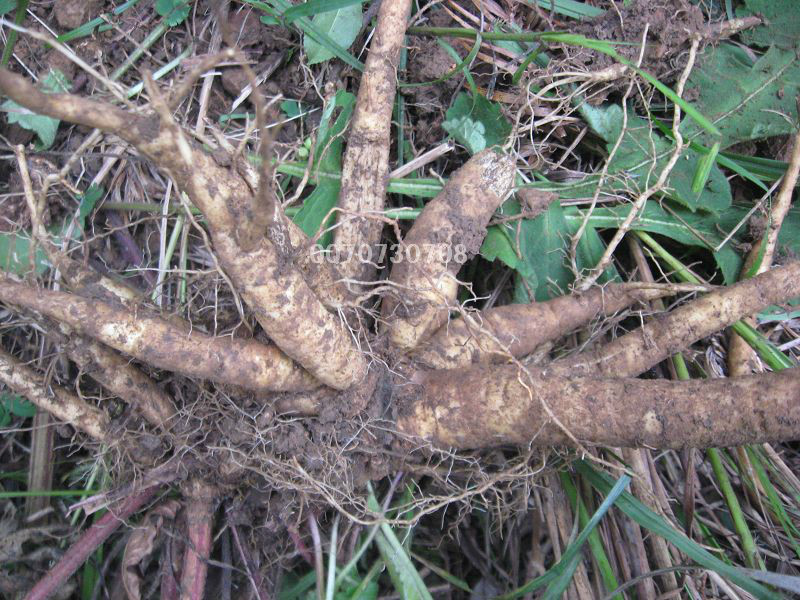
(88, 28)
(775, 503)
(557, 575)
(751, 556)
(569, 8)
(595, 543)
(704, 168)
(607, 49)
(461, 65)
(402, 570)
(653, 522)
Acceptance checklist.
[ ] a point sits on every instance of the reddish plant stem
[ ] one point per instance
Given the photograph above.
(199, 517)
(88, 543)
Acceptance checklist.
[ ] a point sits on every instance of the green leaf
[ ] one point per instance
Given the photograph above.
(783, 23)
(693, 229)
(342, 25)
(643, 154)
(327, 158)
(476, 123)
(653, 522)
(7, 6)
(544, 243)
(291, 108)
(89, 200)
(44, 127)
(14, 405)
(746, 100)
(15, 250)
(313, 7)
(558, 577)
(173, 11)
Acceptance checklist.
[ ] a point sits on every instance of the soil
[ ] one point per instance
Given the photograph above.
(670, 25)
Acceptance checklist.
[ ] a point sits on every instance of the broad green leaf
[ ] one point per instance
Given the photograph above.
(655, 523)
(642, 156)
(569, 8)
(476, 123)
(15, 254)
(544, 243)
(342, 25)
(327, 158)
(783, 23)
(16, 405)
(7, 6)
(44, 127)
(291, 108)
(694, 229)
(590, 250)
(173, 11)
(746, 100)
(313, 7)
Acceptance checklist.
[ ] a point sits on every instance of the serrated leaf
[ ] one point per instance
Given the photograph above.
(173, 11)
(44, 127)
(782, 27)
(341, 25)
(476, 123)
(643, 154)
(746, 100)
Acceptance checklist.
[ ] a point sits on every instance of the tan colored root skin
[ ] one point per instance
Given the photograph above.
(118, 376)
(59, 402)
(225, 200)
(741, 357)
(151, 339)
(489, 406)
(521, 328)
(454, 219)
(663, 336)
(365, 168)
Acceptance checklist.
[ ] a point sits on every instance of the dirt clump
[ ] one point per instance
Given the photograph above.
(70, 14)
(670, 24)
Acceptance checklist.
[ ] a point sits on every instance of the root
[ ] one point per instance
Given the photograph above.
(151, 339)
(88, 543)
(485, 407)
(365, 169)
(199, 521)
(449, 230)
(662, 337)
(282, 301)
(56, 400)
(521, 328)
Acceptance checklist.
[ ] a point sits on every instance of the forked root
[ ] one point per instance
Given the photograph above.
(449, 230)
(663, 336)
(151, 339)
(520, 328)
(285, 305)
(58, 401)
